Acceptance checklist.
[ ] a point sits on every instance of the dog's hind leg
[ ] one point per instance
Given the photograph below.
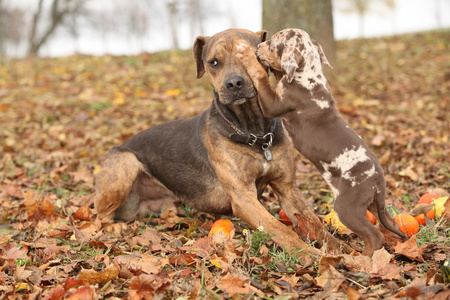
(116, 195)
(351, 208)
(305, 221)
(378, 208)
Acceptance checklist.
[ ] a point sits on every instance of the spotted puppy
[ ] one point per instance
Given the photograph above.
(304, 102)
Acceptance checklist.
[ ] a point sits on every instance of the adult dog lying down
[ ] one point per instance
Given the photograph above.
(218, 162)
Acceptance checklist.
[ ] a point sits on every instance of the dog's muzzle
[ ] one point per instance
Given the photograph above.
(237, 90)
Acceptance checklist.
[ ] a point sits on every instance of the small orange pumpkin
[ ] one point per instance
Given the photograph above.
(371, 217)
(421, 219)
(284, 218)
(427, 198)
(430, 214)
(407, 223)
(223, 225)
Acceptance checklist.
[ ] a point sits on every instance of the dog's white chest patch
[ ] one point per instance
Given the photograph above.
(321, 103)
(266, 168)
(345, 162)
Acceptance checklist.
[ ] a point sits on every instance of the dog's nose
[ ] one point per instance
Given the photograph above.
(235, 83)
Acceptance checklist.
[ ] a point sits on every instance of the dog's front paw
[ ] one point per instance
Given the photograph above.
(117, 228)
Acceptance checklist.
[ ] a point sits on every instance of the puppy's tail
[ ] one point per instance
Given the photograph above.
(383, 215)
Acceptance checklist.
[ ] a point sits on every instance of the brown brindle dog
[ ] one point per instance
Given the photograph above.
(218, 162)
(304, 102)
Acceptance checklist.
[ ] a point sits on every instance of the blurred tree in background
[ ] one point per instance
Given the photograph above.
(315, 17)
(60, 11)
(362, 7)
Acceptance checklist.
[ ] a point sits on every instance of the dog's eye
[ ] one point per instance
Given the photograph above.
(213, 62)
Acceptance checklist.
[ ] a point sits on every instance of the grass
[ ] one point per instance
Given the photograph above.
(437, 234)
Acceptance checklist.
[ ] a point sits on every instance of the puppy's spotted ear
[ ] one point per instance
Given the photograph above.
(262, 35)
(199, 43)
(323, 58)
(290, 60)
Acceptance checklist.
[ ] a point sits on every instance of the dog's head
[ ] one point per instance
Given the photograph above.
(215, 56)
(291, 51)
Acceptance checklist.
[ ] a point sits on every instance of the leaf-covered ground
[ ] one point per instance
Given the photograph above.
(58, 118)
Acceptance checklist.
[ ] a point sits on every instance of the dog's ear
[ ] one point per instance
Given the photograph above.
(262, 35)
(199, 43)
(323, 58)
(290, 60)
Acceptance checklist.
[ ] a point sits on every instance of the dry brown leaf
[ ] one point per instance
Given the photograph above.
(203, 247)
(15, 253)
(409, 172)
(89, 229)
(83, 174)
(380, 259)
(57, 293)
(149, 236)
(37, 208)
(21, 274)
(140, 263)
(353, 294)
(144, 286)
(410, 249)
(378, 140)
(328, 260)
(330, 280)
(90, 276)
(83, 214)
(181, 259)
(357, 263)
(82, 293)
(235, 285)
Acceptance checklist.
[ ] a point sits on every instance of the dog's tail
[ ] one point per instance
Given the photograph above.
(383, 215)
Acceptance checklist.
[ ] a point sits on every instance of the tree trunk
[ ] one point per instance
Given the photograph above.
(36, 16)
(2, 30)
(172, 5)
(58, 11)
(315, 17)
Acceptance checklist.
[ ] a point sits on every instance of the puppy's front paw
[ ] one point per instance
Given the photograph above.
(242, 49)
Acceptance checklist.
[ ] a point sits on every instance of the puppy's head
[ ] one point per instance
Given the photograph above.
(215, 56)
(290, 50)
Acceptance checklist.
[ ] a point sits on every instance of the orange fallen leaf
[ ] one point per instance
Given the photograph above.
(90, 276)
(84, 292)
(83, 213)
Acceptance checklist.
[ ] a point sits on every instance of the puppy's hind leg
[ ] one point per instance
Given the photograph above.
(378, 208)
(351, 207)
(115, 192)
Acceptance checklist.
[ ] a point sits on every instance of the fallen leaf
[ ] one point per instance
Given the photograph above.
(378, 140)
(83, 213)
(409, 172)
(410, 249)
(357, 263)
(84, 292)
(380, 259)
(140, 263)
(90, 276)
(330, 279)
(235, 285)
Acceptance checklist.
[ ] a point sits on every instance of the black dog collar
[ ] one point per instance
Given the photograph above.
(244, 137)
